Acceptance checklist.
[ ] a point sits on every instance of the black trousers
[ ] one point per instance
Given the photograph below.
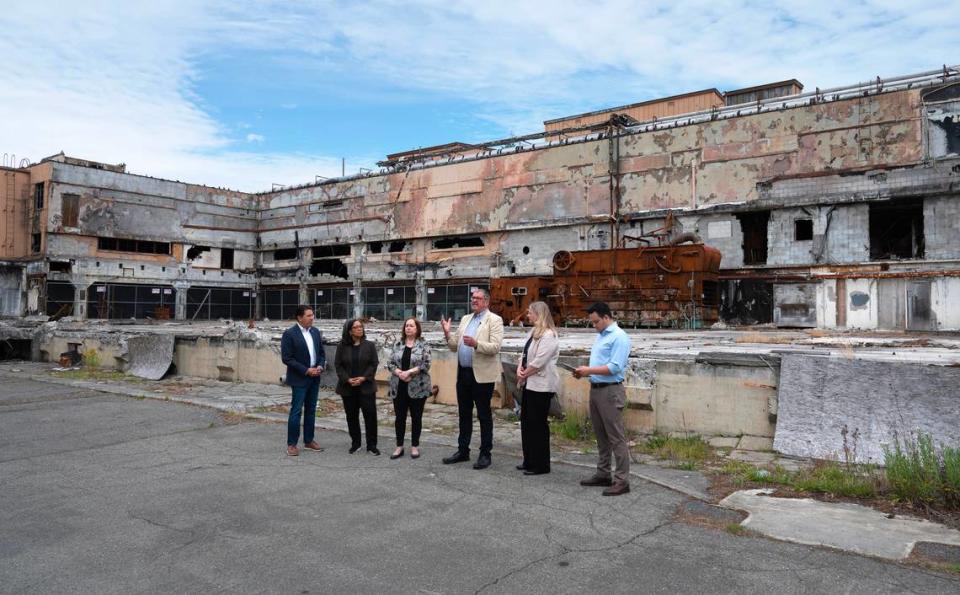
(401, 404)
(352, 406)
(470, 393)
(535, 430)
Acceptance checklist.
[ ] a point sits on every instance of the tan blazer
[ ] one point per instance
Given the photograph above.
(542, 355)
(486, 356)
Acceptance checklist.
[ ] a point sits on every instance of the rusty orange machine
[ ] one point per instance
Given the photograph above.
(654, 286)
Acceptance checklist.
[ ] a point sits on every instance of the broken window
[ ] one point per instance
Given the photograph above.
(458, 242)
(38, 196)
(69, 207)
(195, 251)
(226, 258)
(803, 230)
(754, 227)
(377, 247)
(285, 254)
(331, 250)
(896, 230)
(329, 266)
(126, 245)
(35, 242)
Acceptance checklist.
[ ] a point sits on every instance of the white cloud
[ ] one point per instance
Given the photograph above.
(116, 81)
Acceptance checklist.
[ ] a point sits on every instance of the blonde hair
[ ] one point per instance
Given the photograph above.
(544, 319)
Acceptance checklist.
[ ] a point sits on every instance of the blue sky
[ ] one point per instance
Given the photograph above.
(245, 94)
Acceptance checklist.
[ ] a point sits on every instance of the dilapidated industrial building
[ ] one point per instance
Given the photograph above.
(835, 208)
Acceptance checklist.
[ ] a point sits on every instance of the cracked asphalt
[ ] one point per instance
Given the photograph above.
(110, 494)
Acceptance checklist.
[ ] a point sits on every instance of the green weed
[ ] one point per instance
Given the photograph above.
(573, 427)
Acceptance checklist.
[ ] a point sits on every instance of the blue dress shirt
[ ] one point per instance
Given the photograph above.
(612, 349)
(465, 353)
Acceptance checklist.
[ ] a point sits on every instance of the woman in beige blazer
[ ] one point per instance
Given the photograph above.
(537, 374)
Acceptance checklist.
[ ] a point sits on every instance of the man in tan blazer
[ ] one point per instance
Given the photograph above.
(477, 343)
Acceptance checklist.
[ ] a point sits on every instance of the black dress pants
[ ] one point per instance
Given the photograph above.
(352, 406)
(470, 393)
(401, 404)
(535, 430)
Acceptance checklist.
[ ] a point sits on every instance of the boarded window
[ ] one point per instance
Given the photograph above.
(69, 209)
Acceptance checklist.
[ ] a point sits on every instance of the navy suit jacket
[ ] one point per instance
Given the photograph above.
(296, 356)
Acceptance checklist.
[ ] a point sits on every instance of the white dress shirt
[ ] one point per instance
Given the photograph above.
(309, 339)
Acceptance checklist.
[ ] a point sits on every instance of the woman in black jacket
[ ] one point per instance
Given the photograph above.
(356, 363)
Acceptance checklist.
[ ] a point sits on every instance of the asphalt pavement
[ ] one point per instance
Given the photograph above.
(101, 493)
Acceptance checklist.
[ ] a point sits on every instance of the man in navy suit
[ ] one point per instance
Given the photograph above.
(301, 349)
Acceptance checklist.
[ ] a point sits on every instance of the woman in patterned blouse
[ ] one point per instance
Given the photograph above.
(409, 366)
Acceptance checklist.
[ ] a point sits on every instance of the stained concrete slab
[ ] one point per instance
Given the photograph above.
(150, 355)
(849, 527)
(845, 409)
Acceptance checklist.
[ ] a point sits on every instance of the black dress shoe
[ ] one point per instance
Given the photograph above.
(457, 457)
(397, 454)
(483, 461)
(374, 451)
(535, 472)
(596, 481)
(522, 467)
(354, 448)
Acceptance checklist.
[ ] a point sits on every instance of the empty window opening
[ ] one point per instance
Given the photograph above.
(285, 254)
(397, 246)
(329, 266)
(332, 204)
(125, 245)
(194, 252)
(59, 267)
(896, 230)
(226, 258)
(458, 242)
(35, 242)
(69, 207)
(754, 227)
(331, 250)
(803, 230)
(38, 196)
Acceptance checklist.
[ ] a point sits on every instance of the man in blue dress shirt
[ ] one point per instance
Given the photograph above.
(608, 362)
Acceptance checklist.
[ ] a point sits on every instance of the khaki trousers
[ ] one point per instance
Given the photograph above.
(606, 415)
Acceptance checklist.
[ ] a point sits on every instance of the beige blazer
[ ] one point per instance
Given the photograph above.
(542, 355)
(486, 356)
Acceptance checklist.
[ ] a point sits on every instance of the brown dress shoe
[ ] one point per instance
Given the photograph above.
(313, 445)
(617, 489)
(292, 451)
(596, 481)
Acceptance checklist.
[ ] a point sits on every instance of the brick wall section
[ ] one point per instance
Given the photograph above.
(846, 241)
(941, 234)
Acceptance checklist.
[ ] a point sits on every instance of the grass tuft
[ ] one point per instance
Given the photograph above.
(687, 452)
(573, 427)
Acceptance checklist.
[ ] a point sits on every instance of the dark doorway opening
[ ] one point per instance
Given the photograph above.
(746, 302)
(754, 228)
(15, 349)
(896, 230)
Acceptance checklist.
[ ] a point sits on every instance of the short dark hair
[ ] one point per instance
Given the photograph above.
(403, 334)
(601, 308)
(302, 309)
(346, 339)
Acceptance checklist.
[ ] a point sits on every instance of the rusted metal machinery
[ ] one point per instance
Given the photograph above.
(673, 285)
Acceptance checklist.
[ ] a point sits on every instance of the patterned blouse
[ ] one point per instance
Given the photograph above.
(419, 386)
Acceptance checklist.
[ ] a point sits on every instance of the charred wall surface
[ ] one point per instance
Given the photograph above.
(832, 194)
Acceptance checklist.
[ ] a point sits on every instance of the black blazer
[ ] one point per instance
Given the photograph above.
(295, 354)
(368, 363)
